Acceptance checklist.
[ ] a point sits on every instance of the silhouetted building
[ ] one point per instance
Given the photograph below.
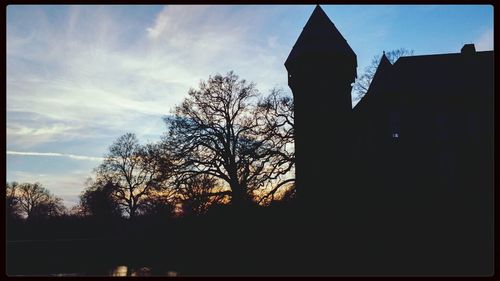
(410, 167)
(321, 68)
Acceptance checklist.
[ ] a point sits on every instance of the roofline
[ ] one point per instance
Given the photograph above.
(445, 54)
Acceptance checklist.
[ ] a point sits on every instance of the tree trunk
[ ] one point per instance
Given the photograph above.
(239, 197)
(133, 213)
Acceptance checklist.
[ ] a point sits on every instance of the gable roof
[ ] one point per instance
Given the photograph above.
(380, 81)
(444, 77)
(445, 74)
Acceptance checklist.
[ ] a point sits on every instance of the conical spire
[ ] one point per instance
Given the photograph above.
(320, 36)
(384, 61)
(381, 76)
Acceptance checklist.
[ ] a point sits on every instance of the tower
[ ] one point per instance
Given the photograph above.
(321, 69)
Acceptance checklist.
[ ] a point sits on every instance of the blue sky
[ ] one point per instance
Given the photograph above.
(78, 77)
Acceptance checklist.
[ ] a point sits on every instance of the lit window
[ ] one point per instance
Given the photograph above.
(395, 124)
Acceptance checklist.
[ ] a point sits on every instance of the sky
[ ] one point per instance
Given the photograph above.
(78, 77)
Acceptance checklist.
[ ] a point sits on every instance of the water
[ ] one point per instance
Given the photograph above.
(86, 257)
(117, 271)
(123, 270)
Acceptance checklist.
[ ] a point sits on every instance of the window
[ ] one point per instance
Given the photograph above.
(395, 124)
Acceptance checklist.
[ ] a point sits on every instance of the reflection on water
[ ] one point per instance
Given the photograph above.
(143, 271)
(120, 270)
(63, 274)
(172, 273)
(123, 270)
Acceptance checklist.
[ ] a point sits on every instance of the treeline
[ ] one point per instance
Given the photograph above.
(225, 144)
(31, 201)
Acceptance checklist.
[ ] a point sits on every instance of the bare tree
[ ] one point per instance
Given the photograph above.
(200, 192)
(277, 114)
(135, 172)
(161, 202)
(12, 209)
(35, 201)
(161, 205)
(218, 131)
(363, 82)
(53, 207)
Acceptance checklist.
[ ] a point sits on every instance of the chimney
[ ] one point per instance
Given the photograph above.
(468, 49)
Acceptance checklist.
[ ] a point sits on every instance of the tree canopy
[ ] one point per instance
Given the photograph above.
(32, 201)
(134, 172)
(221, 130)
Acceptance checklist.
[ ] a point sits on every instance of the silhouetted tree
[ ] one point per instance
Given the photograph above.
(277, 114)
(218, 131)
(199, 192)
(161, 205)
(12, 209)
(76, 211)
(287, 196)
(53, 207)
(35, 201)
(362, 83)
(98, 200)
(135, 172)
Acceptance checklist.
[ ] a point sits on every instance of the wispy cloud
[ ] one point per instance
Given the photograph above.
(485, 41)
(90, 74)
(91, 69)
(55, 154)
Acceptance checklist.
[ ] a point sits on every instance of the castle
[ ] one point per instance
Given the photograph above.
(409, 170)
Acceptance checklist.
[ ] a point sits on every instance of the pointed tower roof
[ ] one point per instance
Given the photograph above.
(384, 63)
(381, 77)
(319, 36)
(381, 82)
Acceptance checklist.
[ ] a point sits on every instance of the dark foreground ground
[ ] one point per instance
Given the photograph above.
(219, 244)
(397, 239)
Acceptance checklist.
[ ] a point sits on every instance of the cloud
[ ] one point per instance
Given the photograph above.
(174, 20)
(55, 154)
(79, 76)
(73, 80)
(485, 41)
(92, 68)
(202, 40)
